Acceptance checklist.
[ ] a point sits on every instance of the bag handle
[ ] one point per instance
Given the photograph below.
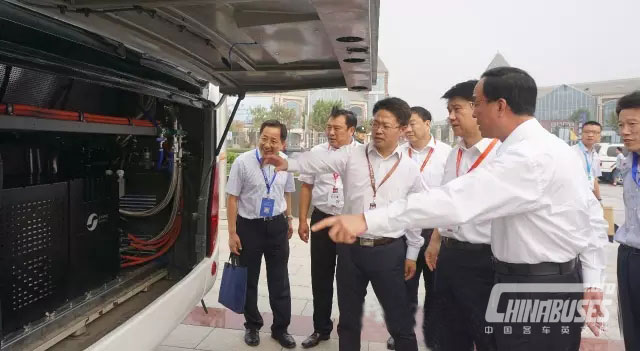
(234, 259)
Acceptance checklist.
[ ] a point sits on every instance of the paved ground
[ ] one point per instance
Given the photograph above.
(221, 330)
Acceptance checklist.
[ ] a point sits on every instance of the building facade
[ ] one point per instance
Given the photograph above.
(301, 102)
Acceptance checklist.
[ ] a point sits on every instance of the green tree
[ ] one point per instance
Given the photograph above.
(320, 113)
(259, 114)
(611, 121)
(576, 116)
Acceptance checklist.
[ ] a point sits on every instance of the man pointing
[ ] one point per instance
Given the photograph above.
(534, 195)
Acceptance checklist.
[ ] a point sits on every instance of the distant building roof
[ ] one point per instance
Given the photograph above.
(498, 61)
(606, 88)
(382, 68)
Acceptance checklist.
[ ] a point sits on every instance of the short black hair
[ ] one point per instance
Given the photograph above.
(463, 90)
(349, 117)
(277, 124)
(514, 85)
(631, 100)
(591, 123)
(619, 148)
(422, 112)
(398, 107)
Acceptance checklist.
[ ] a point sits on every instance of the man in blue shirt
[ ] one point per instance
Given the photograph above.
(628, 235)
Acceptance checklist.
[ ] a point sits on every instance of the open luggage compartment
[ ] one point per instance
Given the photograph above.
(92, 196)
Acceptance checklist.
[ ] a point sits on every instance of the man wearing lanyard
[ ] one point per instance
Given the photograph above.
(373, 175)
(465, 268)
(258, 199)
(589, 156)
(326, 193)
(430, 155)
(628, 235)
(546, 226)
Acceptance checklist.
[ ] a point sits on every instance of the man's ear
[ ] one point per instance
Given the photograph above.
(502, 105)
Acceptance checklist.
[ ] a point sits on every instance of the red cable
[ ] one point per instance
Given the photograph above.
(139, 260)
(39, 112)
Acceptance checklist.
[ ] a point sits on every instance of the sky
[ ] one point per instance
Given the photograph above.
(428, 46)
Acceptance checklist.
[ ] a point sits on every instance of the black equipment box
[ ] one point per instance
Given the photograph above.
(93, 234)
(57, 241)
(33, 252)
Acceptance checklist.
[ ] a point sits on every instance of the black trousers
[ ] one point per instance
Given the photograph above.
(412, 291)
(550, 335)
(268, 238)
(383, 266)
(323, 268)
(629, 296)
(463, 283)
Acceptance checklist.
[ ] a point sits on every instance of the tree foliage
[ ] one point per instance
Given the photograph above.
(259, 114)
(320, 113)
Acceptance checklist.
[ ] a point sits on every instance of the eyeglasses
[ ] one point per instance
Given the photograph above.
(385, 127)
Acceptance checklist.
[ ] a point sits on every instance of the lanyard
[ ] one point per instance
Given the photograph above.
(586, 159)
(372, 176)
(426, 159)
(478, 161)
(634, 169)
(335, 174)
(266, 180)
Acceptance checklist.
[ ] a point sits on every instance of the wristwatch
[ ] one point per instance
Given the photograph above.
(290, 218)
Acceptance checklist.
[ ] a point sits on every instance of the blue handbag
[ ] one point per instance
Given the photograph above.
(233, 287)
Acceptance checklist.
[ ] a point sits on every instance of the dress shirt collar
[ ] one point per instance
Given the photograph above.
(353, 142)
(480, 145)
(431, 144)
(521, 132)
(374, 151)
(585, 150)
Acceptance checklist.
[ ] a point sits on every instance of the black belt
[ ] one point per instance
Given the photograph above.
(323, 214)
(633, 250)
(369, 242)
(264, 219)
(452, 243)
(544, 268)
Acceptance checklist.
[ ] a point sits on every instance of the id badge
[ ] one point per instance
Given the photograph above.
(336, 197)
(266, 207)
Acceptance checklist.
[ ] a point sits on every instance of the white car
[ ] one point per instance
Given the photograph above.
(110, 139)
(607, 154)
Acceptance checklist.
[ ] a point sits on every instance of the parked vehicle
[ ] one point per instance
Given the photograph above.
(110, 132)
(607, 154)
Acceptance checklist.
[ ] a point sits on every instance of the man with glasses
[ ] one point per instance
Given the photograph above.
(374, 174)
(548, 233)
(259, 213)
(430, 155)
(326, 192)
(586, 151)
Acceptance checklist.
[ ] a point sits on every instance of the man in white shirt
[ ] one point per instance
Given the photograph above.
(628, 235)
(326, 192)
(258, 199)
(465, 269)
(430, 156)
(546, 226)
(374, 175)
(586, 151)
